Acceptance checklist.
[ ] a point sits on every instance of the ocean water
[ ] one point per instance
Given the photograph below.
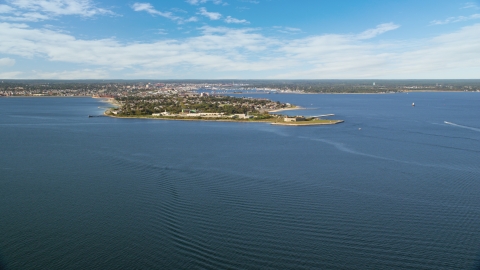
(394, 187)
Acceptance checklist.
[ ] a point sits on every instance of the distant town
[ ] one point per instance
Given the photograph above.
(193, 104)
(119, 88)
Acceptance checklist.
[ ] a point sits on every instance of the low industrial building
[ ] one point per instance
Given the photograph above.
(242, 116)
(294, 119)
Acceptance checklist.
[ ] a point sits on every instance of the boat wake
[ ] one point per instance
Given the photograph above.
(460, 126)
(342, 147)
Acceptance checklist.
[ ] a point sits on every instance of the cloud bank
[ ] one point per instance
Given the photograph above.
(7, 62)
(222, 52)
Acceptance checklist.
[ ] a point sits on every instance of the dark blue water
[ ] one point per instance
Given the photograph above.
(394, 187)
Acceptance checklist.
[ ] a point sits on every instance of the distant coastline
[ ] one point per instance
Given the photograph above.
(246, 94)
(381, 93)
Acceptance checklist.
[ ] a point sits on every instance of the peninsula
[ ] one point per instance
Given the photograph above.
(206, 107)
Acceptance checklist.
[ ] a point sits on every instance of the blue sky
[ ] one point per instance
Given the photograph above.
(239, 39)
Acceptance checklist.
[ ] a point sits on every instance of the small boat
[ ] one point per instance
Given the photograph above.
(90, 116)
(413, 104)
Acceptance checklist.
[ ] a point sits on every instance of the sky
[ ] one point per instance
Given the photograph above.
(240, 39)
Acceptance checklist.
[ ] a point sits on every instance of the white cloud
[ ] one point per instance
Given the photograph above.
(26, 17)
(60, 75)
(6, 9)
(69, 75)
(292, 29)
(380, 29)
(216, 48)
(211, 15)
(192, 19)
(470, 5)
(229, 19)
(40, 10)
(456, 19)
(222, 52)
(147, 7)
(337, 56)
(179, 10)
(198, 2)
(162, 32)
(287, 30)
(60, 7)
(10, 75)
(7, 62)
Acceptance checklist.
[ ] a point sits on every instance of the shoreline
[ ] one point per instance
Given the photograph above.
(111, 101)
(297, 124)
(305, 123)
(147, 117)
(287, 109)
(385, 93)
